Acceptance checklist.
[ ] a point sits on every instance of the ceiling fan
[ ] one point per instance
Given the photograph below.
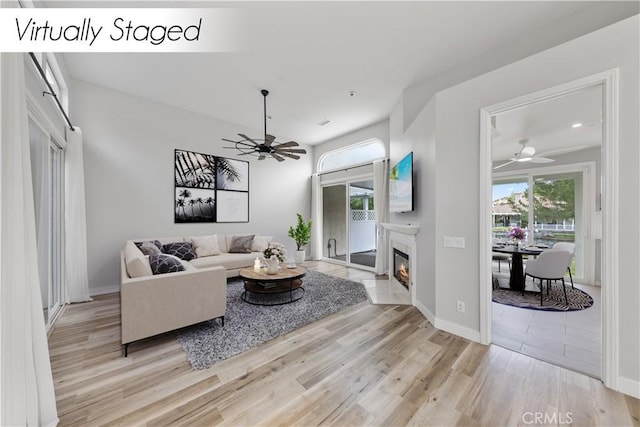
(526, 154)
(268, 145)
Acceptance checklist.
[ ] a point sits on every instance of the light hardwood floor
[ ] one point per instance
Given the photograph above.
(367, 365)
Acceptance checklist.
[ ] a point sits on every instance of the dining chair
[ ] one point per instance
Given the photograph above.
(569, 247)
(501, 257)
(549, 265)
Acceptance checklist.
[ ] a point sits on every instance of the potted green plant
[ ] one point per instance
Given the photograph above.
(301, 234)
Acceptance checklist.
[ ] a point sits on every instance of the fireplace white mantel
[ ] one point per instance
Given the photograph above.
(410, 229)
(403, 238)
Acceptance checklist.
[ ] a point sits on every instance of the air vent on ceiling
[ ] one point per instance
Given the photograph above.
(324, 122)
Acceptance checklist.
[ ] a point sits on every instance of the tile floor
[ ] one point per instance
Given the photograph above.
(569, 339)
(384, 291)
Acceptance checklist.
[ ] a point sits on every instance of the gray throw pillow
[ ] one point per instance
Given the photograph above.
(155, 242)
(150, 248)
(241, 244)
(162, 264)
(183, 250)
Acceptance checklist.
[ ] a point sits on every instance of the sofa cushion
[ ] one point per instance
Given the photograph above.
(205, 245)
(228, 261)
(150, 248)
(241, 244)
(136, 263)
(163, 263)
(183, 250)
(260, 243)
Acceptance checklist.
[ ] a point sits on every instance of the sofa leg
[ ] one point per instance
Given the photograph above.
(222, 319)
(126, 349)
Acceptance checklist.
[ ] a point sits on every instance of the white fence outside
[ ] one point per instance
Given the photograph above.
(363, 231)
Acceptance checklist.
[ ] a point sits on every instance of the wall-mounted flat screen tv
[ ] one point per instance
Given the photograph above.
(401, 185)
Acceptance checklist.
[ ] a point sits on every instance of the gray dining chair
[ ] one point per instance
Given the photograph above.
(569, 247)
(501, 257)
(549, 265)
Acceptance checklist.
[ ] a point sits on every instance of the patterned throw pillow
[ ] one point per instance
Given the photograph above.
(183, 250)
(206, 245)
(149, 248)
(241, 244)
(162, 264)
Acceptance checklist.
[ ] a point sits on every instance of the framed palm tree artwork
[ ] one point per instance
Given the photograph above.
(210, 188)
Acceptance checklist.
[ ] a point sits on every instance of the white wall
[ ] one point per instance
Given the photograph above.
(129, 150)
(457, 130)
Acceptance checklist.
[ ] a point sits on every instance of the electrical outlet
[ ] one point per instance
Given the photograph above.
(460, 306)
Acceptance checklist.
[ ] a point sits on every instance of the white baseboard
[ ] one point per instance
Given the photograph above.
(445, 325)
(426, 313)
(629, 386)
(461, 331)
(104, 290)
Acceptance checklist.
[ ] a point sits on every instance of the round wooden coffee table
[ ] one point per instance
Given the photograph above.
(260, 286)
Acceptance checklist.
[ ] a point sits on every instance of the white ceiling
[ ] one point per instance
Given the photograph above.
(548, 126)
(311, 55)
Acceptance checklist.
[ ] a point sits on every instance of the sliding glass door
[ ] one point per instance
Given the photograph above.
(552, 207)
(349, 229)
(47, 171)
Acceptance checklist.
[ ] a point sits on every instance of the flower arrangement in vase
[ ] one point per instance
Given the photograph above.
(277, 250)
(518, 235)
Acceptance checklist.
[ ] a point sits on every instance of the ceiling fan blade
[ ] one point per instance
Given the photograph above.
(277, 157)
(268, 139)
(291, 156)
(247, 138)
(239, 142)
(290, 150)
(504, 164)
(287, 144)
(565, 150)
(541, 160)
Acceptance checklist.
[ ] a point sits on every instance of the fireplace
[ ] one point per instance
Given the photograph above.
(401, 267)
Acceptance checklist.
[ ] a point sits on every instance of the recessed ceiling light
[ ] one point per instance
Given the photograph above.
(352, 93)
(576, 125)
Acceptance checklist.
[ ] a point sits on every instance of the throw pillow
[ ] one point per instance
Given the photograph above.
(155, 242)
(149, 248)
(183, 250)
(206, 245)
(260, 243)
(241, 244)
(162, 264)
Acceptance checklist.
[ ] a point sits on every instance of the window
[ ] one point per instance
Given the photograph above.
(356, 154)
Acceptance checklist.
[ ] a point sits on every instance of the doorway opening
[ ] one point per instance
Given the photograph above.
(597, 231)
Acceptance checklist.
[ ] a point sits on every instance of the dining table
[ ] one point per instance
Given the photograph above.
(516, 279)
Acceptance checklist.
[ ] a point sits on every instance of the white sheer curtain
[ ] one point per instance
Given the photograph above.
(316, 216)
(75, 220)
(26, 384)
(381, 211)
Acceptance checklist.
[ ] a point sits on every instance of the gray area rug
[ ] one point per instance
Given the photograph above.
(247, 326)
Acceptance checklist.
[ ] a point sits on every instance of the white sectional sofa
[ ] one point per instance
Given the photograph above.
(152, 304)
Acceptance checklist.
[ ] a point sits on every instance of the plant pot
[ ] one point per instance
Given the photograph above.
(299, 256)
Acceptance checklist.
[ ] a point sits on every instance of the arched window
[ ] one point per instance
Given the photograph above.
(356, 154)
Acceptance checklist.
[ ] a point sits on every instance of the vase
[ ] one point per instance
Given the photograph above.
(299, 256)
(273, 265)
